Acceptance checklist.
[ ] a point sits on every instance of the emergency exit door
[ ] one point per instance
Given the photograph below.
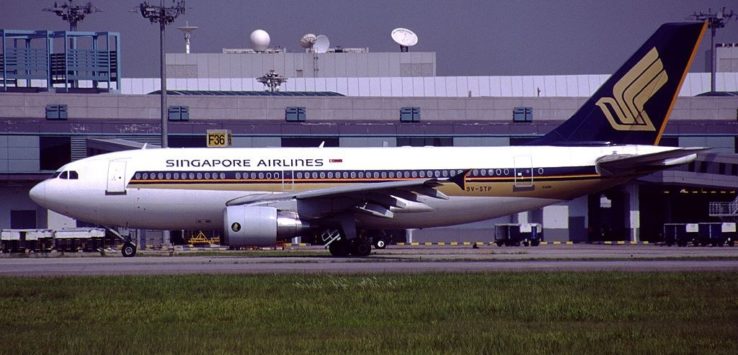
(523, 173)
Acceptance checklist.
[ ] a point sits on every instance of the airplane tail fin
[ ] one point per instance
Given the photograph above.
(633, 105)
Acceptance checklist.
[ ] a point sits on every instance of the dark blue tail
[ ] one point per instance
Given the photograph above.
(633, 105)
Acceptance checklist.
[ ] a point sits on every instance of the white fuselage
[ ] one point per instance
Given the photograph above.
(188, 188)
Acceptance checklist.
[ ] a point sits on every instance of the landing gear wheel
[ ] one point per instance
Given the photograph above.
(380, 244)
(129, 250)
(361, 248)
(339, 248)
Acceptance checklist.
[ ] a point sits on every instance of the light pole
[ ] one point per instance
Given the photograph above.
(163, 16)
(714, 21)
(72, 13)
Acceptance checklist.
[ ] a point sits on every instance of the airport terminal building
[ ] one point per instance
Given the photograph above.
(50, 115)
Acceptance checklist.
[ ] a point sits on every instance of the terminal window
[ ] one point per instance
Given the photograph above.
(187, 141)
(54, 152)
(310, 142)
(410, 114)
(425, 141)
(294, 114)
(178, 113)
(523, 114)
(23, 219)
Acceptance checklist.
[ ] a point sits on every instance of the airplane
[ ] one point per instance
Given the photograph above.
(348, 196)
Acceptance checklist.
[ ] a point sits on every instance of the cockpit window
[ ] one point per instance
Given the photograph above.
(67, 175)
(56, 174)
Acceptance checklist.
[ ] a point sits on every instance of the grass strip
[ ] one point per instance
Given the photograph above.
(516, 313)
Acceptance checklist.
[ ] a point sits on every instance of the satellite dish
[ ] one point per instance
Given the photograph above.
(404, 37)
(260, 40)
(322, 43)
(308, 40)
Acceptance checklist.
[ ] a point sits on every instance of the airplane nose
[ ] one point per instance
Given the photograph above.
(38, 193)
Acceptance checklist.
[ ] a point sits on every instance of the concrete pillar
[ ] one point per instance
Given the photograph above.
(522, 217)
(556, 222)
(166, 240)
(633, 214)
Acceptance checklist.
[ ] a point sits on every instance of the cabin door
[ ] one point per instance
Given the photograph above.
(116, 178)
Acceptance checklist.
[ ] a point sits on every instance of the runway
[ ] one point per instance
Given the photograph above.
(580, 258)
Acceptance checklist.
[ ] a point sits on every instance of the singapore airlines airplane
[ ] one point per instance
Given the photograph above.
(259, 196)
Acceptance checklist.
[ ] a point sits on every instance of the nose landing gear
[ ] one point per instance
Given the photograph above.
(129, 248)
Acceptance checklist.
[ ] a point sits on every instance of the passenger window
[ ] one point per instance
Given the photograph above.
(73, 175)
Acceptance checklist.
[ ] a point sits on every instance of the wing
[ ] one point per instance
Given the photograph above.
(381, 199)
(625, 165)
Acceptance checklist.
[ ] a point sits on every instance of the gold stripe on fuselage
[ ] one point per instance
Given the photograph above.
(549, 188)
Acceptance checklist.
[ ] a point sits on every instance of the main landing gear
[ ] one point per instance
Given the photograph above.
(341, 246)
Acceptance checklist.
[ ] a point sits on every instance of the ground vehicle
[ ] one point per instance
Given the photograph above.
(513, 234)
(700, 234)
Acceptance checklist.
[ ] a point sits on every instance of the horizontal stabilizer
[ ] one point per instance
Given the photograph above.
(624, 165)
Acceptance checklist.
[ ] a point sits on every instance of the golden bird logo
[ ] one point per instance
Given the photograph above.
(625, 110)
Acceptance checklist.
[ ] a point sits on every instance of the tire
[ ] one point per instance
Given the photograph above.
(361, 248)
(380, 244)
(129, 250)
(525, 243)
(535, 243)
(339, 248)
(499, 244)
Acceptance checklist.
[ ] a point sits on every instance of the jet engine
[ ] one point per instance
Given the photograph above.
(260, 226)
